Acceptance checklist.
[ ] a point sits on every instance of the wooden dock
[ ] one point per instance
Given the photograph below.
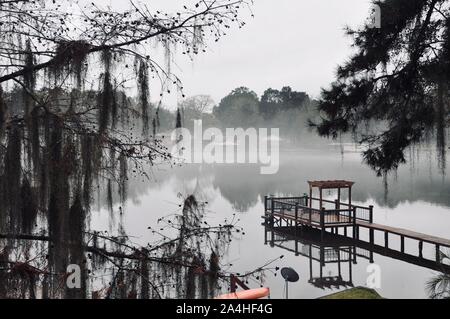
(340, 219)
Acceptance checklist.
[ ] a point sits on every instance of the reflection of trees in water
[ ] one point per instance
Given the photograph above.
(241, 193)
(183, 261)
(185, 266)
(243, 185)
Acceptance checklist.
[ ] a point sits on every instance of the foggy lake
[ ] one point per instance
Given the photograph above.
(416, 198)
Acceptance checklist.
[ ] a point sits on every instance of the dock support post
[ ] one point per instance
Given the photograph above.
(386, 239)
(371, 214)
(322, 223)
(296, 219)
(338, 201)
(272, 238)
(438, 254)
(402, 244)
(350, 270)
(310, 217)
(421, 249)
(272, 211)
(265, 204)
(337, 207)
(354, 223)
(339, 261)
(322, 259)
(310, 197)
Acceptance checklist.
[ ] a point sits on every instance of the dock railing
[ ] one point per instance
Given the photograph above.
(294, 211)
(297, 208)
(363, 213)
(301, 201)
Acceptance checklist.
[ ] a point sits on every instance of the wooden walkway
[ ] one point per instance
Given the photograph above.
(295, 212)
(406, 233)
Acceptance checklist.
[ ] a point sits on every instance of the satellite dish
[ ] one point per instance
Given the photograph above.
(289, 274)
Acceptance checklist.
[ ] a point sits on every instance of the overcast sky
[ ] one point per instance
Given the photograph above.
(289, 42)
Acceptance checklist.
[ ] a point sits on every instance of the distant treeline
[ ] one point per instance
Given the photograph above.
(285, 109)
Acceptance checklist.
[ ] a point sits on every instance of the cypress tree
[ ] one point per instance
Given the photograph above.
(398, 79)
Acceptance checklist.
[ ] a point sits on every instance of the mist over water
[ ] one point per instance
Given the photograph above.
(415, 198)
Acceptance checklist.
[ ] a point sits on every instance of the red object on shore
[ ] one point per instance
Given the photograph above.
(247, 294)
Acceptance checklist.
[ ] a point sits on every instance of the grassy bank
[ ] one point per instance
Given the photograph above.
(355, 293)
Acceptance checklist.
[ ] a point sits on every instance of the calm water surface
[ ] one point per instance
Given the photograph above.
(416, 198)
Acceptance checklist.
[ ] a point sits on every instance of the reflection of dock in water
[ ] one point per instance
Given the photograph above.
(308, 244)
(338, 250)
(334, 219)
